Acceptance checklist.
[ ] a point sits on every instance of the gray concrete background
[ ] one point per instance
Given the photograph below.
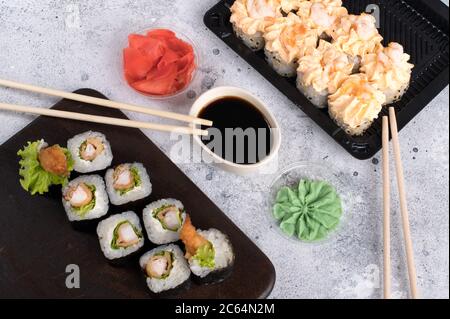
(41, 43)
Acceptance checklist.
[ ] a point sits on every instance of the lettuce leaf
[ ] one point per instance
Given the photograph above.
(205, 256)
(34, 178)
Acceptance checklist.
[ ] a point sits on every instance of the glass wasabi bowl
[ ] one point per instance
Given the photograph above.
(180, 35)
(291, 175)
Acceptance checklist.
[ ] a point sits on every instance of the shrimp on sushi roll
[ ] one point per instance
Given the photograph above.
(91, 152)
(294, 5)
(165, 268)
(127, 183)
(356, 35)
(209, 252)
(163, 220)
(322, 72)
(85, 199)
(120, 235)
(356, 104)
(250, 19)
(42, 166)
(389, 70)
(320, 15)
(287, 39)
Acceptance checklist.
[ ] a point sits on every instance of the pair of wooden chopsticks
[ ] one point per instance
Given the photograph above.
(392, 122)
(105, 103)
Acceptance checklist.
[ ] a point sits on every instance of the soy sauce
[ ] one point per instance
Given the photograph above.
(240, 132)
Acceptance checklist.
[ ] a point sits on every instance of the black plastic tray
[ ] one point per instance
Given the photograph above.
(420, 26)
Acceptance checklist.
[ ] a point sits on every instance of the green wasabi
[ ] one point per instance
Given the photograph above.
(309, 211)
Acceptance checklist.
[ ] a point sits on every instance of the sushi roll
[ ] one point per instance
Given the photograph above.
(388, 70)
(165, 268)
(209, 252)
(356, 104)
(294, 5)
(163, 220)
(250, 19)
(120, 235)
(322, 72)
(42, 166)
(85, 200)
(287, 40)
(127, 183)
(321, 15)
(356, 35)
(91, 152)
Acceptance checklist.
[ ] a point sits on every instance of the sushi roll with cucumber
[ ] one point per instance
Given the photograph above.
(163, 220)
(127, 183)
(250, 18)
(209, 252)
(85, 199)
(288, 39)
(90, 151)
(165, 268)
(42, 166)
(120, 235)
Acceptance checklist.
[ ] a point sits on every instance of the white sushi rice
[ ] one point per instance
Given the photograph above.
(105, 232)
(319, 99)
(101, 198)
(393, 96)
(136, 193)
(254, 41)
(357, 131)
(179, 274)
(224, 256)
(102, 161)
(155, 231)
(281, 67)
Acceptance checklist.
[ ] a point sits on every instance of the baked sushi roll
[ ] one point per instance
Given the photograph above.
(127, 183)
(165, 268)
(356, 104)
(321, 15)
(90, 151)
(388, 70)
(85, 200)
(356, 35)
(120, 236)
(294, 5)
(250, 19)
(163, 220)
(287, 39)
(209, 252)
(322, 72)
(42, 166)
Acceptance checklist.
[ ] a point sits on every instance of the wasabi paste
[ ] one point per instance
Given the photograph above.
(309, 211)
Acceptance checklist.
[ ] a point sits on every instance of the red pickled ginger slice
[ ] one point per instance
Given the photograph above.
(136, 65)
(158, 63)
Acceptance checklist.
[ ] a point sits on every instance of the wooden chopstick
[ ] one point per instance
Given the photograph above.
(105, 103)
(403, 206)
(101, 119)
(386, 211)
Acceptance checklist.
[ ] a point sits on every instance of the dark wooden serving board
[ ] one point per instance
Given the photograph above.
(37, 242)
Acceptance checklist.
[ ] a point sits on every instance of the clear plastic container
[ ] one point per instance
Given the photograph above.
(182, 36)
(291, 175)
